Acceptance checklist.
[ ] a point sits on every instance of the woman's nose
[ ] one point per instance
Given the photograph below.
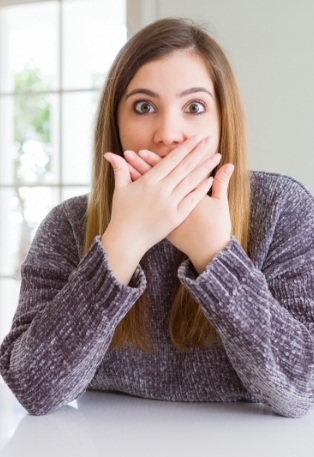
(169, 130)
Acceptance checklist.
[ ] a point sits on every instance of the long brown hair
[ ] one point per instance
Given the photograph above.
(187, 324)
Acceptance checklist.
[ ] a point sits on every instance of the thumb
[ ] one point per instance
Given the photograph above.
(120, 168)
(221, 182)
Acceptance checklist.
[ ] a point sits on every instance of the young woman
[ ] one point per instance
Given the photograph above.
(182, 276)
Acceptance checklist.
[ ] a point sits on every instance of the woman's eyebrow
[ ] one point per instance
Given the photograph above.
(194, 90)
(150, 93)
(143, 91)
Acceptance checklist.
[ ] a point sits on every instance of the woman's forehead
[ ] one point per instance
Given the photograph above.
(178, 69)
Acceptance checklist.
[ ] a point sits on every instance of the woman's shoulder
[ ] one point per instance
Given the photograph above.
(281, 209)
(64, 224)
(72, 210)
(277, 189)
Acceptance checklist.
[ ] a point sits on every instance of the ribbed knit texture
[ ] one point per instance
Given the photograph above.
(262, 306)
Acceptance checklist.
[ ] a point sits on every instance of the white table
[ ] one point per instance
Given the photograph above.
(108, 424)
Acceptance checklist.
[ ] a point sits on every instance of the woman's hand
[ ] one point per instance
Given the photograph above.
(207, 229)
(148, 209)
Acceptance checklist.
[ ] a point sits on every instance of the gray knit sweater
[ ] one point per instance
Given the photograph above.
(262, 307)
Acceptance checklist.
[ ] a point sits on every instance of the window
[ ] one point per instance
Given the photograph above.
(54, 56)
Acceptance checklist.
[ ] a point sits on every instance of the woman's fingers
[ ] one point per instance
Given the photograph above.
(136, 162)
(141, 162)
(193, 198)
(175, 160)
(134, 173)
(120, 168)
(198, 156)
(193, 154)
(221, 182)
(193, 180)
(150, 157)
(196, 166)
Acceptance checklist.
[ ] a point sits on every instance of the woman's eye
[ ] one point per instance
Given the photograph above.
(143, 107)
(196, 108)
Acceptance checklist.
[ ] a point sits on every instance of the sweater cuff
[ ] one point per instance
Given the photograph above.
(99, 282)
(222, 276)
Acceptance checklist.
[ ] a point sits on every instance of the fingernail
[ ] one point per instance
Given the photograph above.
(128, 153)
(143, 153)
(228, 169)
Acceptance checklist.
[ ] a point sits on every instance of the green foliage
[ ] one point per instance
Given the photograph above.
(30, 79)
(32, 118)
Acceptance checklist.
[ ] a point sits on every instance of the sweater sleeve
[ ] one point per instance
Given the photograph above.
(265, 315)
(67, 313)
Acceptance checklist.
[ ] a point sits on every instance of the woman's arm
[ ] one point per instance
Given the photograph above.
(263, 310)
(69, 308)
(67, 313)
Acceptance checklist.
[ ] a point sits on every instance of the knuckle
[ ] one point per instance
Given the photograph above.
(146, 181)
(163, 195)
(187, 164)
(191, 179)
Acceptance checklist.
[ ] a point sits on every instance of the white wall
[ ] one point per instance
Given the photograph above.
(270, 44)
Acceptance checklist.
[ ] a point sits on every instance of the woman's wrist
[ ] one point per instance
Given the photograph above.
(200, 258)
(123, 255)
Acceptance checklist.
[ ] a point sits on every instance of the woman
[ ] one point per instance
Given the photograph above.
(181, 278)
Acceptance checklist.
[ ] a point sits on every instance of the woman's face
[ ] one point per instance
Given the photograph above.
(167, 101)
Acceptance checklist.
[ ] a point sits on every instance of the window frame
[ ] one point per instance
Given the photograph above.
(138, 14)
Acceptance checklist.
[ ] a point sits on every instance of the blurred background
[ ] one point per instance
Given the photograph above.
(54, 56)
